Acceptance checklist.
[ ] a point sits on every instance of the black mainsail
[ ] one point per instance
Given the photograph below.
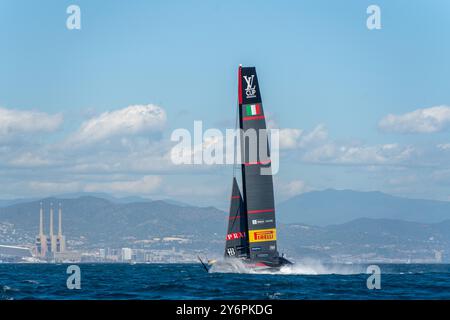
(237, 234)
(257, 187)
(252, 235)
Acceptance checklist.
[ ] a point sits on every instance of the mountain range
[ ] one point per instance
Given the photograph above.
(329, 225)
(101, 221)
(331, 206)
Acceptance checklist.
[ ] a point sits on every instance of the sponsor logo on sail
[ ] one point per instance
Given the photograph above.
(235, 235)
(261, 221)
(250, 90)
(263, 235)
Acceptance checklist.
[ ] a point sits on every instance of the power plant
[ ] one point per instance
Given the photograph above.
(50, 246)
(60, 239)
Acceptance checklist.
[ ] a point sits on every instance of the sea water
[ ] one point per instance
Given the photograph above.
(190, 281)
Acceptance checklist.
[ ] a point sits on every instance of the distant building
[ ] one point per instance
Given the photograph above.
(41, 239)
(127, 254)
(48, 246)
(60, 239)
(51, 242)
(438, 256)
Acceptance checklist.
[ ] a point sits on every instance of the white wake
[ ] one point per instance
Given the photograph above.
(304, 267)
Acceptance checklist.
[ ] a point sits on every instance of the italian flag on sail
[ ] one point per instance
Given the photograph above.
(252, 109)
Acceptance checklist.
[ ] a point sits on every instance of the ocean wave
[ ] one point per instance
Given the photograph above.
(6, 289)
(31, 281)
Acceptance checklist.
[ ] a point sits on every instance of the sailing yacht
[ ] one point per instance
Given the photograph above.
(252, 235)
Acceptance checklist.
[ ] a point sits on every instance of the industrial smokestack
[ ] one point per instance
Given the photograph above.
(51, 219)
(59, 221)
(41, 221)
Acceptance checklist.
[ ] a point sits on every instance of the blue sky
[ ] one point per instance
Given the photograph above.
(326, 80)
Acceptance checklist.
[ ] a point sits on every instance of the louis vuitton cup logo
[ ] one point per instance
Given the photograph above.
(250, 91)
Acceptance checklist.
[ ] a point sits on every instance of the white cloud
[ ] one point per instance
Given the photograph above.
(130, 161)
(297, 138)
(292, 188)
(427, 120)
(289, 138)
(443, 146)
(318, 134)
(386, 154)
(316, 147)
(145, 185)
(13, 122)
(200, 190)
(29, 160)
(53, 187)
(132, 120)
(403, 180)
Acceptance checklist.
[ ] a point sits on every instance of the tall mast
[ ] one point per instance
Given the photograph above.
(241, 138)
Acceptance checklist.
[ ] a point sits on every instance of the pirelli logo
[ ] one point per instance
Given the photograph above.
(263, 235)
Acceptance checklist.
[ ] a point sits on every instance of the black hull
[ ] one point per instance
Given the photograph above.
(275, 264)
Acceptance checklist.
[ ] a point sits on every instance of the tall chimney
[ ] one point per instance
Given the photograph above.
(59, 221)
(41, 221)
(51, 219)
